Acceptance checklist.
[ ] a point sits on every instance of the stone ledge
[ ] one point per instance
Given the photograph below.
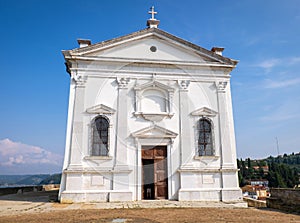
(98, 158)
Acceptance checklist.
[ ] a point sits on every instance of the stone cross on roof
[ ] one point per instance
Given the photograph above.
(153, 22)
(152, 12)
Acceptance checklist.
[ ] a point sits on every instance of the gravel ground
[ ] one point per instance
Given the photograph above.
(157, 215)
(36, 208)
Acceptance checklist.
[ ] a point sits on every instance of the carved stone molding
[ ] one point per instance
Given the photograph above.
(100, 109)
(221, 86)
(80, 80)
(204, 111)
(154, 131)
(156, 116)
(183, 84)
(123, 82)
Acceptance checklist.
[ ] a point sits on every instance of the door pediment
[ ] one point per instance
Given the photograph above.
(154, 131)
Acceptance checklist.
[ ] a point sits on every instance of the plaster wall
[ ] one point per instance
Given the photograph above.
(163, 114)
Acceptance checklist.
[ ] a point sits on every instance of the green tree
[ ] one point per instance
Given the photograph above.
(249, 163)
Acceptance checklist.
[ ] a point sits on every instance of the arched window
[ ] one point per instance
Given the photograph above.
(205, 141)
(100, 137)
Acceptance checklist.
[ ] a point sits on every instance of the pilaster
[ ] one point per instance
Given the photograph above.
(230, 188)
(73, 147)
(122, 127)
(121, 178)
(77, 128)
(227, 140)
(186, 148)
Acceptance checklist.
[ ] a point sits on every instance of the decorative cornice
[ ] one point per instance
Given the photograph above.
(198, 170)
(95, 170)
(229, 170)
(206, 170)
(136, 74)
(150, 32)
(101, 59)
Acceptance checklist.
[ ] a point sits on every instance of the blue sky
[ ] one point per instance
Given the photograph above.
(262, 35)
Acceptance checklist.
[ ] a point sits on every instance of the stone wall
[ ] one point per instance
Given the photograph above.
(284, 199)
(255, 203)
(22, 189)
(50, 187)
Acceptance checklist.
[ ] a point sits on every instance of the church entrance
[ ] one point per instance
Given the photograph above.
(155, 176)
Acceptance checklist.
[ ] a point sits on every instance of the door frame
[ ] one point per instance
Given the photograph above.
(155, 160)
(168, 142)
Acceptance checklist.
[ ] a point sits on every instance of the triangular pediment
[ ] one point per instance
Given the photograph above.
(138, 46)
(154, 131)
(204, 111)
(154, 84)
(141, 49)
(100, 109)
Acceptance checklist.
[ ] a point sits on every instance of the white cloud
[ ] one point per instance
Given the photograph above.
(279, 117)
(269, 63)
(294, 60)
(14, 154)
(281, 83)
(288, 110)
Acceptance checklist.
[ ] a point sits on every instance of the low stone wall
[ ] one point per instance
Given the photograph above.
(255, 203)
(50, 187)
(284, 199)
(21, 189)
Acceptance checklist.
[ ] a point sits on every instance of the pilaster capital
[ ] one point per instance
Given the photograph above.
(79, 79)
(221, 86)
(123, 82)
(183, 84)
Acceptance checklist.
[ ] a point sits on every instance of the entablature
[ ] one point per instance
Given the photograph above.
(99, 59)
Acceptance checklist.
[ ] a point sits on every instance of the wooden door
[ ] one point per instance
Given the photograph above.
(160, 179)
(154, 160)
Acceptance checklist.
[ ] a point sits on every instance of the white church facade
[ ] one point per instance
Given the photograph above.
(150, 117)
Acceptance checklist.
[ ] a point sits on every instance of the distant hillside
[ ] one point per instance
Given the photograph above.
(33, 179)
(11, 179)
(292, 160)
(281, 171)
(53, 179)
(38, 179)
